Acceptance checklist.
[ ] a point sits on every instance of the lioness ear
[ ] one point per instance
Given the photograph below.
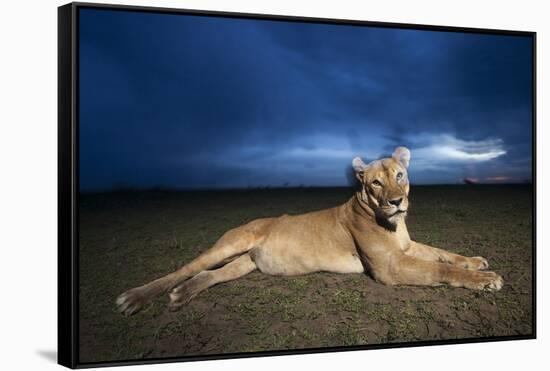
(403, 155)
(358, 165)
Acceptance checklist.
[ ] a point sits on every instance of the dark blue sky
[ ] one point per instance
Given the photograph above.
(202, 102)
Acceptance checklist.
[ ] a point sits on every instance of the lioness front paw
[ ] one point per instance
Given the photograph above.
(131, 301)
(488, 281)
(478, 263)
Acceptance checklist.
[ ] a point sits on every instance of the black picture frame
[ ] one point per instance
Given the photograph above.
(68, 180)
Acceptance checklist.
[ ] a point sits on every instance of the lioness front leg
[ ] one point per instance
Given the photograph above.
(409, 270)
(430, 253)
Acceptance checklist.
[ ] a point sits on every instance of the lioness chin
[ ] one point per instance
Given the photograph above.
(366, 234)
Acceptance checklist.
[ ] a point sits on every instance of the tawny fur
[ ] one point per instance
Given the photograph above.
(366, 234)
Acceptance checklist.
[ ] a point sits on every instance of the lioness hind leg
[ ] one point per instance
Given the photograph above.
(186, 291)
(232, 244)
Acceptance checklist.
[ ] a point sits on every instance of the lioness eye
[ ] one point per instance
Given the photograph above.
(399, 175)
(377, 183)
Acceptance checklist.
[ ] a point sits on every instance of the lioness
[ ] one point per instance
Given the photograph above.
(367, 233)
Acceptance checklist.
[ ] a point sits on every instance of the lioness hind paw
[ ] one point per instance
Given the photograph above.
(131, 301)
(179, 297)
(185, 292)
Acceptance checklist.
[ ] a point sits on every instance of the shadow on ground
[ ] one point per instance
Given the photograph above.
(50, 355)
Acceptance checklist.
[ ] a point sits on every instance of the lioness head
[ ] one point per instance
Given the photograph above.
(385, 185)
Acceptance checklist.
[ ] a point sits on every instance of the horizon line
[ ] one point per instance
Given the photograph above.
(268, 187)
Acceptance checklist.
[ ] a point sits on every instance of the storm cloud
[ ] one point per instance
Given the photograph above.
(202, 102)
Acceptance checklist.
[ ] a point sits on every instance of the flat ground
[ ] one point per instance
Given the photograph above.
(130, 238)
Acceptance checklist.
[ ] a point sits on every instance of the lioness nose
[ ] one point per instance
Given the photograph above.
(396, 202)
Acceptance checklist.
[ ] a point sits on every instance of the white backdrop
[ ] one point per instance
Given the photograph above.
(28, 180)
